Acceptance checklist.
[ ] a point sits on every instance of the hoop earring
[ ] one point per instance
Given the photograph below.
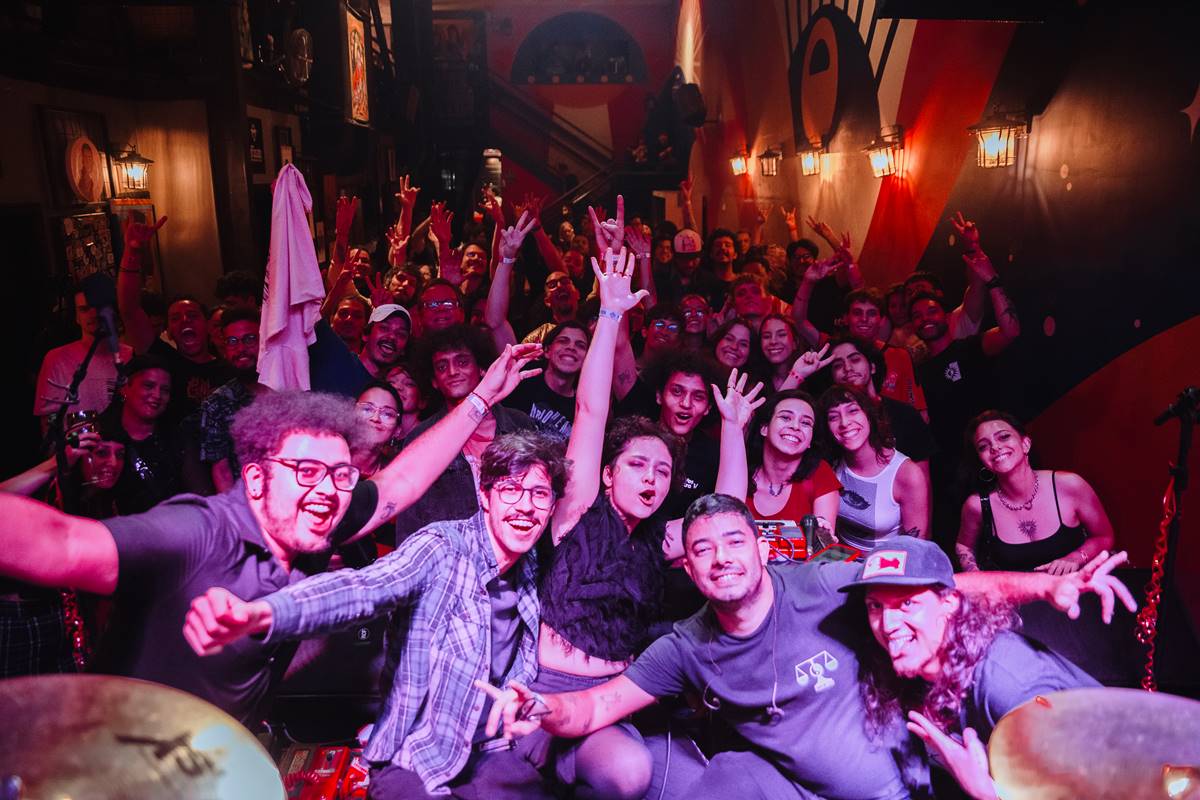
(986, 475)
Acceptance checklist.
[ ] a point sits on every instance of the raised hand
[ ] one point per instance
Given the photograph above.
(789, 217)
(138, 234)
(967, 760)
(439, 223)
(609, 233)
(685, 191)
(1096, 577)
(516, 706)
(638, 241)
(819, 270)
(967, 231)
(764, 214)
(506, 372)
(408, 193)
(397, 246)
(737, 406)
(823, 230)
(347, 207)
(379, 293)
(511, 237)
(843, 248)
(218, 617)
(493, 206)
(614, 282)
(810, 362)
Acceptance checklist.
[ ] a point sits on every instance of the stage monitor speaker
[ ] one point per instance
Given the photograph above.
(690, 105)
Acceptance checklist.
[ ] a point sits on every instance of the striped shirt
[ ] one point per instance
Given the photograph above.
(438, 643)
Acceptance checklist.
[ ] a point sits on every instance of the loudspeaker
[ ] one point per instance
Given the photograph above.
(690, 104)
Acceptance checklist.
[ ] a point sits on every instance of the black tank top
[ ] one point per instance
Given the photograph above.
(1025, 556)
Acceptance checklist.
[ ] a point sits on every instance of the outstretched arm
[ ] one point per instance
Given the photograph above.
(685, 203)
(1063, 591)
(817, 272)
(139, 331)
(569, 715)
(593, 395)
(737, 407)
(419, 464)
(496, 311)
(1008, 325)
(43, 546)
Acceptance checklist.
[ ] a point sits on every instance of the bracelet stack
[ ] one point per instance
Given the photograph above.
(613, 315)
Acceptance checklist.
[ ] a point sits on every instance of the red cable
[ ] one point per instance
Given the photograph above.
(1147, 618)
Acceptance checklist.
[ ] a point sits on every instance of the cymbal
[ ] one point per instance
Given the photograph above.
(96, 736)
(1098, 743)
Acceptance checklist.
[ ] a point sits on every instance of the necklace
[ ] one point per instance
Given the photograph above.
(1028, 504)
(772, 489)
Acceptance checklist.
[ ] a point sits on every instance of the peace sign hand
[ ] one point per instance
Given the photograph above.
(408, 193)
(511, 237)
(967, 230)
(810, 362)
(614, 282)
(737, 406)
(379, 294)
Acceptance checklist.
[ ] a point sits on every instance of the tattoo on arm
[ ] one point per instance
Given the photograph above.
(914, 531)
(1009, 309)
(384, 514)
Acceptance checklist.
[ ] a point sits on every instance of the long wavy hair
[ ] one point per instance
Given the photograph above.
(970, 631)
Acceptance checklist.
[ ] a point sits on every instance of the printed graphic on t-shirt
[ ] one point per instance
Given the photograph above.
(816, 669)
(953, 373)
(855, 500)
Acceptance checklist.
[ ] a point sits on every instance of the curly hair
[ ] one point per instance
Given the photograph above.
(456, 337)
(688, 362)
(624, 430)
(880, 438)
(970, 631)
(259, 429)
(517, 452)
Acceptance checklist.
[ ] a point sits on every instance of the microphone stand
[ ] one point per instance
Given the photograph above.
(56, 433)
(1162, 571)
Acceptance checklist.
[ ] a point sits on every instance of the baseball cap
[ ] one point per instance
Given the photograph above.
(387, 310)
(905, 561)
(687, 242)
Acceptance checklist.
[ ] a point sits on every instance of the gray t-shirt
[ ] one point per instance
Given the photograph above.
(1016, 669)
(809, 663)
(506, 634)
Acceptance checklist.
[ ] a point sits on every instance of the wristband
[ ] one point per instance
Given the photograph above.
(480, 404)
(506, 260)
(994, 283)
(643, 256)
(613, 315)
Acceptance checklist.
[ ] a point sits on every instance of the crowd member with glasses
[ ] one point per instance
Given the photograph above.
(430, 736)
(299, 495)
(662, 330)
(451, 363)
(439, 306)
(694, 310)
(239, 343)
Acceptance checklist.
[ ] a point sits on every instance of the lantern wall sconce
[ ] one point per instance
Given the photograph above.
(739, 163)
(810, 159)
(133, 172)
(886, 153)
(768, 161)
(997, 135)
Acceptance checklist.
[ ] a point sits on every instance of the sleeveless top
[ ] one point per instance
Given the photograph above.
(603, 591)
(1023, 557)
(868, 512)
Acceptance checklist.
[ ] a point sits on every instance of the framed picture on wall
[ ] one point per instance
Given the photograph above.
(358, 102)
(283, 146)
(138, 210)
(85, 242)
(77, 163)
(254, 139)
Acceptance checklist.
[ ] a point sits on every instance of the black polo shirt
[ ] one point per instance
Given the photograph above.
(175, 552)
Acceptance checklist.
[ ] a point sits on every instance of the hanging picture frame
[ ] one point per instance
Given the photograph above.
(78, 171)
(85, 245)
(355, 60)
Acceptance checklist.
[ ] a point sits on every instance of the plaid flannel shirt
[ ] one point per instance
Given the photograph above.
(438, 643)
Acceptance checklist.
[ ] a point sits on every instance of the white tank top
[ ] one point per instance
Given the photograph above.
(867, 511)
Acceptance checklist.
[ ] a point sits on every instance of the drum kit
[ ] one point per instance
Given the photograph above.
(108, 738)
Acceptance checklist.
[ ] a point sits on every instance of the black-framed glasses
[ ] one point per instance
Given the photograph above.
(369, 410)
(310, 472)
(249, 338)
(435, 304)
(542, 497)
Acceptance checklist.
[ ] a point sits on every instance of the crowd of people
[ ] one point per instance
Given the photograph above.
(550, 458)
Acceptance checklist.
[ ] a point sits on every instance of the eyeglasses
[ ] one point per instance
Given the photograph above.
(310, 472)
(663, 325)
(693, 312)
(249, 338)
(369, 410)
(436, 304)
(541, 497)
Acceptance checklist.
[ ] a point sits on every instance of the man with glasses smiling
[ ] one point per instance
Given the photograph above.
(299, 495)
(465, 597)
(239, 334)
